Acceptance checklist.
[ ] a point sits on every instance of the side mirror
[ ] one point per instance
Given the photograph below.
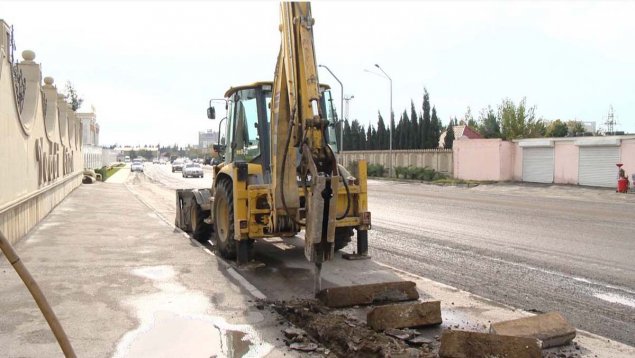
(211, 113)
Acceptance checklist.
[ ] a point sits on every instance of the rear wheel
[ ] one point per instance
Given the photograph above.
(200, 229)
(342, 237)
(224, 220)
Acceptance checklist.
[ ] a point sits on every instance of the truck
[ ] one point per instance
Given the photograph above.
(280, 173)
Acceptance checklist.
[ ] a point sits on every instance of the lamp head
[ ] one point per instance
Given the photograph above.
(376, 65)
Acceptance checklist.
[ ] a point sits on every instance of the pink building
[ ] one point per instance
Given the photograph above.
(571, 160)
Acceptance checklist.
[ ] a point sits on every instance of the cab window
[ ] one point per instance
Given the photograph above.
(245, 141)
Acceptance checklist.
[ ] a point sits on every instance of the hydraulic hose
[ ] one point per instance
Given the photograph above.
(38, 296)
(348, 192)
(284, 161)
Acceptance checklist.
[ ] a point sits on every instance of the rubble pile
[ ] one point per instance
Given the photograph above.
(342, 335)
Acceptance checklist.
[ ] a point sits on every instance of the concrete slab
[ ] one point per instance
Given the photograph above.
(465, 344)
(346, 296)
(551, 328)
(405, 315)
(462, 310)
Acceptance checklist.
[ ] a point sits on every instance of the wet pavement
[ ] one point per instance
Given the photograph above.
(124, 283)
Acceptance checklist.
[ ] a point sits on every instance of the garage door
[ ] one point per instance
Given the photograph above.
(538, 164)
(597, 166)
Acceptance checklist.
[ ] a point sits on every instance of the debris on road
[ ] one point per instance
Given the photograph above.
(405, 315)
(462, 344)
(343, 335)
(348, 296)
(305, 347)
(552, 329)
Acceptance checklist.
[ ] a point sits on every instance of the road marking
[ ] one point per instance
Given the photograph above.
(614, 298)
(511, 263)
(248, 286)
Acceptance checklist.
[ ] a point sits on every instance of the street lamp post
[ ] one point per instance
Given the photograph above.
(389, 121)
(347, 99)
(341, 107)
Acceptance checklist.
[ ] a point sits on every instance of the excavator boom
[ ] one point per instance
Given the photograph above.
(299, 128)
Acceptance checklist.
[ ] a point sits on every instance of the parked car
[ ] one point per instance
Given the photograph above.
(137, 166)
(177, 165)
(193, 170)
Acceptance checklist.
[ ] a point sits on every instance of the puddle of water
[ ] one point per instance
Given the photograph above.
(613, 298)
(172, 335)
(175, 322)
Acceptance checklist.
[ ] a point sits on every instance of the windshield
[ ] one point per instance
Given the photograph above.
(246, 138)
(193, 166)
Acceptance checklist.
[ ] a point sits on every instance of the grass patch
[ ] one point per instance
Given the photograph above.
(107, 172)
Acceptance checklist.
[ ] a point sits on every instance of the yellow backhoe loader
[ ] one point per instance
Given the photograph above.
(280, 173)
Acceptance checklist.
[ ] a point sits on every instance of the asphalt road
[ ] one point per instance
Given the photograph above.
(532, 247)
(536, 248)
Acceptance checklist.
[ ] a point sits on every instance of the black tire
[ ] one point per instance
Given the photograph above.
(200, 229)
(224, 220)
(342, 237)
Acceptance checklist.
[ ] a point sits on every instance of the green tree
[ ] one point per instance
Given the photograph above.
(355, 129)
(414, 141)
(519, 121)
(403, 132)
(348, 136)
(576, 128)
(363, 143)
(449, 137)
(469, 119)
(382, 136)
(489, 126)
(557, 128)
(435, 129)
(372, 141)
(392, 130)
(425, 123)
(72, 97)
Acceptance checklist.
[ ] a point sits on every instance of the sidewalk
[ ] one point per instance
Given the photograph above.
(124, 283)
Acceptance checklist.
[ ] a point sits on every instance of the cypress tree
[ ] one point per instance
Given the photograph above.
(404, 133)
(435, 129)
(373, 138)
(413, 132)
(449, 137)
(381, 133)
(391, 131)
(425, 131)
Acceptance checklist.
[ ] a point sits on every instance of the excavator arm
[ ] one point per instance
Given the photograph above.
(298, 131)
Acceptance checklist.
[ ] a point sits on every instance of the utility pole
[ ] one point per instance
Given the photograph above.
(390, 171)
(347, 99)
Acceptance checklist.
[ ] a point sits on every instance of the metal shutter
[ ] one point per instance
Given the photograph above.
(597, 166)
(538, 164)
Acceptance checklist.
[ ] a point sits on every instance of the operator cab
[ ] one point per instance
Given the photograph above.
(245, 135)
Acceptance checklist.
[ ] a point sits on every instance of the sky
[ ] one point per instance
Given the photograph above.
(149, 68)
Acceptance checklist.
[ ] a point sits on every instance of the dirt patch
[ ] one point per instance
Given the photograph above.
(341, 335)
